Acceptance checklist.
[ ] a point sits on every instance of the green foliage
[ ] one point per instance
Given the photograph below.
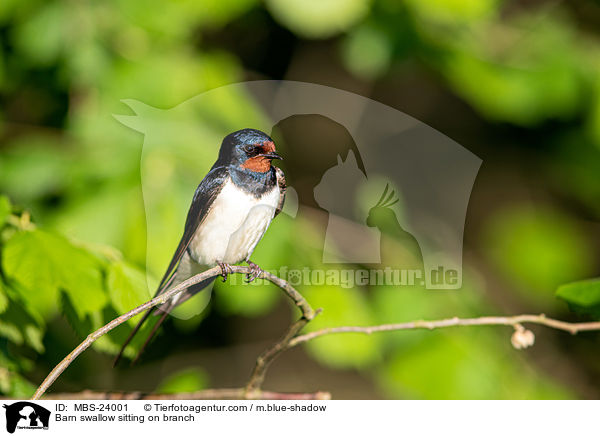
(44, 274)
(537, 249)
(3, 299)
(252, 301)
(20, 323)
(452, 12)
(367, 51)
(5, 210)
(465, 366)
(186, 380)
(582, 296)
(127, 287)
(342, 307)
(14, 385)
(43, 263)
(322, 18)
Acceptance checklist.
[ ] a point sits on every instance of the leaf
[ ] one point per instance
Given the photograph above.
(81, 326)
(34, 336)
(53, 19)
(367, 52)
(11, 332)
(537, 250)
(110, 342)
(19, 325)
(451, 11)
(3, 298)
(342, 307)
(11, 364)
(252, 300)
(127, 287)
(5, 209)
(6, 359)
(187, 380)
(582, 296)
(14, 385)
(318, 18)
(453, 364)
(44, 263)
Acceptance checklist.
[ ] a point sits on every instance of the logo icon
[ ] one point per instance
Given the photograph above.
(26, 415)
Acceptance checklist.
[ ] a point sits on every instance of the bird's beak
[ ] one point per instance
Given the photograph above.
(271, 155)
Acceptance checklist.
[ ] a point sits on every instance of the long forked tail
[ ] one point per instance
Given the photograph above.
(131, 335)
(166, 309)
(162, 287)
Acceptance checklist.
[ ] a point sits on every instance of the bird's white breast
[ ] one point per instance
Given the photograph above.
(233, 226)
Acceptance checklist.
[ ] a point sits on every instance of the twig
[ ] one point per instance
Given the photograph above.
(160, 299)
(514, 321)
(269, 355)
(207, 394)
(297, 298)
(293, 338)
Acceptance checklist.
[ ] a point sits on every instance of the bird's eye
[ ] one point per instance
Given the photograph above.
(248, 148)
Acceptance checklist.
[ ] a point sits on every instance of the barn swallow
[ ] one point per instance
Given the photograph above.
(230, 212)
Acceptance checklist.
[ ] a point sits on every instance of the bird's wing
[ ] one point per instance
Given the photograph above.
(203, 200)
(282, 188)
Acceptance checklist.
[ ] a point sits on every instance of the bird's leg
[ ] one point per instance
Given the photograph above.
(255, 271)
(225, 270)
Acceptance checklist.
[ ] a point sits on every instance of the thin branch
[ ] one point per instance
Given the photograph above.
(297, 298)
(292, 338)
(160, 299)
(571, 327)
(207, 394)
(269, 355)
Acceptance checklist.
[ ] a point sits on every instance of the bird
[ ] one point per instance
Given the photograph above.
(230, 212)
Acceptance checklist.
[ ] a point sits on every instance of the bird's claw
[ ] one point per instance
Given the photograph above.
(255, 271)
(225, 270)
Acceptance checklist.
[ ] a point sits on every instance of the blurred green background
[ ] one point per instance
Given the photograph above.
(515, 82)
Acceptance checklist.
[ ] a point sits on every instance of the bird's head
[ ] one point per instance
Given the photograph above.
(249, 149)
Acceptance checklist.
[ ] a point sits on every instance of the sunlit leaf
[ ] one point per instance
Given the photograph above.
(187, 380)
(534, 74)
(127, 287)
(247, 300)
(582, 296)
(19, 324)
(13, 385)
(463, 365)
(44, 263)
(318, 18)
(5, 209)
(367, 52)
(453, 11)
(3, 299)
(81, 326)
(537, 250)
(53, 18)
(342, 307)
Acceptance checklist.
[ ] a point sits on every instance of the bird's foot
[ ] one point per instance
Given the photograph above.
(225, 270)
(255, 271)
